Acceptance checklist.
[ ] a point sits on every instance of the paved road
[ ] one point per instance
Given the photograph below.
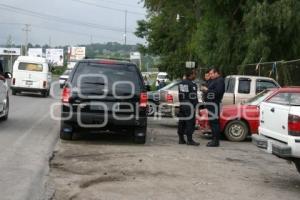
(27, 140)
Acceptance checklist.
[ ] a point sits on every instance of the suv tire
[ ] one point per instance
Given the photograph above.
(140, 135)
(66, 135)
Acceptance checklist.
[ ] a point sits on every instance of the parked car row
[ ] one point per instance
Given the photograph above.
(238, 89)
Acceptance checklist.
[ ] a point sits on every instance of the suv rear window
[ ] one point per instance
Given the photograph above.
(86, 76)
(30, 67)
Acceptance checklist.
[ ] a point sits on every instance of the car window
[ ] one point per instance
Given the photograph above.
(262, 85)
(174, 88)
(30, 67)
(230, 85)
(295, 99)
(259, 98)
(244, 86)
(280, 98)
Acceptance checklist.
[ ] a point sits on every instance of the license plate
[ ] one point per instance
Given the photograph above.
(96, 107)
(28, 82)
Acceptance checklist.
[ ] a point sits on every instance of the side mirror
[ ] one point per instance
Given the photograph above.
(8, 75)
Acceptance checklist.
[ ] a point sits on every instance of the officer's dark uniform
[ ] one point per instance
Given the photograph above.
(187, 91)
(214, 95)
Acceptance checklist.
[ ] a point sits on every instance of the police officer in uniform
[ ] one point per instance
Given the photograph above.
(213, 97)
(187, 94)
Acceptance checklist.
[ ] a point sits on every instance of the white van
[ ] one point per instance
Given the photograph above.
(162, 76)
(31, 74)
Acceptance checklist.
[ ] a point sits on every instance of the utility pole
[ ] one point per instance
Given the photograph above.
(91, 39)
(125, 33)
(9, 45)
(50, 41)
(26, 29)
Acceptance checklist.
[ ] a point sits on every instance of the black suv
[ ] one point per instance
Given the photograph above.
(105, 95)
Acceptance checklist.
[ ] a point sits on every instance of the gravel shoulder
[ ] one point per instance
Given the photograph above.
(109, 166)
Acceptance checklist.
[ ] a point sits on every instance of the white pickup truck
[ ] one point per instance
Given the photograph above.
(279, 130)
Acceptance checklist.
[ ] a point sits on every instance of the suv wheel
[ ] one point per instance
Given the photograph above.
(140, 135)
(66, 131)
(236, 131)
(13, 92)
(5, 109)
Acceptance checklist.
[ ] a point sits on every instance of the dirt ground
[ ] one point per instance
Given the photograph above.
(110, 167)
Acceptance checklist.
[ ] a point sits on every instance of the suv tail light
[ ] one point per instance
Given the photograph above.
(44, 84)
(294, 125)
(169, 98)
(143, 99)
(14, 81)
(66, 93)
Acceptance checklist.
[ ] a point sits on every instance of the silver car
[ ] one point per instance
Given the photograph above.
(4, 98)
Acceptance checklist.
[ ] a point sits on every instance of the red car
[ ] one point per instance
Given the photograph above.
(239, 121)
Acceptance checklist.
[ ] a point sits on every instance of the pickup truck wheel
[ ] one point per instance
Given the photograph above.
(139, 135)
(236, 131)
(66, 131)
(297, 163)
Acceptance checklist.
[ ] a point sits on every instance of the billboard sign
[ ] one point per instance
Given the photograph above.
(76, 53)
(10, 51)
(55, 56)
(36, 52)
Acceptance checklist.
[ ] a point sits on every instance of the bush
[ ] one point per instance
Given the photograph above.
(58, 70)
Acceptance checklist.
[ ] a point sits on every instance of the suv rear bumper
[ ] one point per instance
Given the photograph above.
(275, 147)
(98, 120)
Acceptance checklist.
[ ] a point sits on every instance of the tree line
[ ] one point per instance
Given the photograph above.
(227, 34)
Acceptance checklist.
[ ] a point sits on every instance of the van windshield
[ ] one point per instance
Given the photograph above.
(30, 67)
(162, 76)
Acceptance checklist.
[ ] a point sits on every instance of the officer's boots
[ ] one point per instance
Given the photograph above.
(193, 143)
(181, 139)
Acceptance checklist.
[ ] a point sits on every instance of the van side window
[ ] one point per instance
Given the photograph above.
(262, 85)
(229, 85)
(280, 98)
(244, 86)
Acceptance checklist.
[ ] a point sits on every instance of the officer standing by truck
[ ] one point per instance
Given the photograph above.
(187, 94)
(214, 95)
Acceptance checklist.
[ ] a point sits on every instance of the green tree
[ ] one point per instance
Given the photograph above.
(221, 33)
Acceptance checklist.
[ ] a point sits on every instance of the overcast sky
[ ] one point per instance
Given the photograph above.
(70, 22)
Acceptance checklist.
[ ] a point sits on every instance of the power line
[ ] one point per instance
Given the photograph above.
(118, 3)
(57, 19)
(106, 7)
(67, 32)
